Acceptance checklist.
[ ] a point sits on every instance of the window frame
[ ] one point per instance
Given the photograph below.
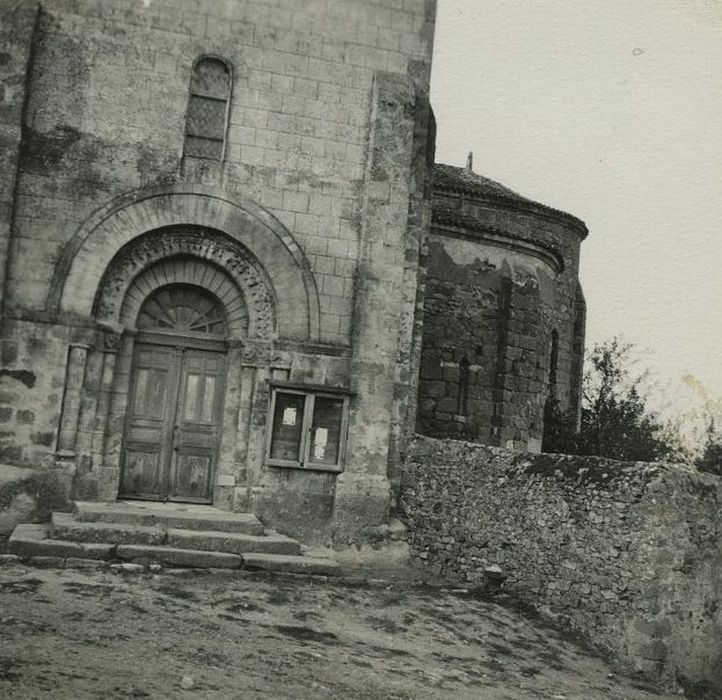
(229, 93)
(311, 393)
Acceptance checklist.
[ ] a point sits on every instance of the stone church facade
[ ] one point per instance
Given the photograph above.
(230, 266)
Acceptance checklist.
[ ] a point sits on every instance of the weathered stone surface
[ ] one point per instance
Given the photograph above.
(178, 557)
(628, 553)
(26, 495)
(180, 516)
(503, 325)
(63, 526)
(129, 568)
(234, 543)
(291, 564)
(33, 540)
(84, 563)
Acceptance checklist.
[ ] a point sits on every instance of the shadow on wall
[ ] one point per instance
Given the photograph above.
(627, 553)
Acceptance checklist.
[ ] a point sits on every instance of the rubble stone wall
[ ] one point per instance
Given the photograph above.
(629, 554)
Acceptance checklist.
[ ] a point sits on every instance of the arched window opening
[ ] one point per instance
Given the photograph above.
(208, 102)
(183, 309)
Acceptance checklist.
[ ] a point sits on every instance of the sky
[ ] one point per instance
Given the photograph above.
(611, 111)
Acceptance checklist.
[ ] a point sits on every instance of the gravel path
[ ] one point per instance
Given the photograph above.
(103, 634)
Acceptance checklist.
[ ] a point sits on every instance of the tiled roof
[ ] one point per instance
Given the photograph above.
(449, 178)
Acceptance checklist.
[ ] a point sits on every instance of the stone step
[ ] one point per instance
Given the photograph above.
(168, 515)
(291, 564)
(173, 556)
(28, 541)
(34, 541)
(272, 552)
(64, 527)
(232, 542)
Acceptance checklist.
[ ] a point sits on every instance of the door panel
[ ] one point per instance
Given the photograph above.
(190, 477)
(141, 473)
(146, 445)
(197, 427)
(173, 425)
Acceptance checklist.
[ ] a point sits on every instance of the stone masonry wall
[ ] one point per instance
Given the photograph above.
(32, 372)
(484, 369)
(630, 554)
(326, 134)
(503, 320)
(17, 22)
(108, 92)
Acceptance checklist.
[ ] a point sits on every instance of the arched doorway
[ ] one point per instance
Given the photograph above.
(177, 381)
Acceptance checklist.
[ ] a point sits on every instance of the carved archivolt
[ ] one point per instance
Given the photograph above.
(191, 255)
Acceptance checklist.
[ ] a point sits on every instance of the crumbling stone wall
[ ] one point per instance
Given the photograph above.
(485, 358)
(630, 554)
(503, 314)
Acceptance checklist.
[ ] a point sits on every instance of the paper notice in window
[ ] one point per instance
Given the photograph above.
(289, 416)
(320, 440)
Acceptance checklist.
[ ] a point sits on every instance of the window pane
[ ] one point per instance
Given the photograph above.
(150, 387)
(203, 148)
(209, 396)
(141, 387)
(206, 118)
(191, 397)
(211, 78)
(287, 427)
(326, 430)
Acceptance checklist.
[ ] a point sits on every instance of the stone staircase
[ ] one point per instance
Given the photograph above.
(168, 534)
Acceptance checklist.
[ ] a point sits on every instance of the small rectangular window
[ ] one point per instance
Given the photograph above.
(307, 429)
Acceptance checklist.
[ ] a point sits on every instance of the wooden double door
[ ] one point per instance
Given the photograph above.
(173, 423)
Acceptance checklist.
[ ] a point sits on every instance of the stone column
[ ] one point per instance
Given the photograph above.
(225, 478)
(251, 425)
(74, 376)
(103, 406)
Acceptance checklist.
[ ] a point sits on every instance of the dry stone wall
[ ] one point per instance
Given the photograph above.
(630, 554)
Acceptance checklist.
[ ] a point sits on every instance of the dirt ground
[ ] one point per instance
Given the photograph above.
(111, 634)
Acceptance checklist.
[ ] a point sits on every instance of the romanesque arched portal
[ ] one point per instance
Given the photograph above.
(180, 289)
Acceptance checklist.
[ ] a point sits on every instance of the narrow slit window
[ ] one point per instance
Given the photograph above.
(207, 115)
(462, 407)
(553, 362)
